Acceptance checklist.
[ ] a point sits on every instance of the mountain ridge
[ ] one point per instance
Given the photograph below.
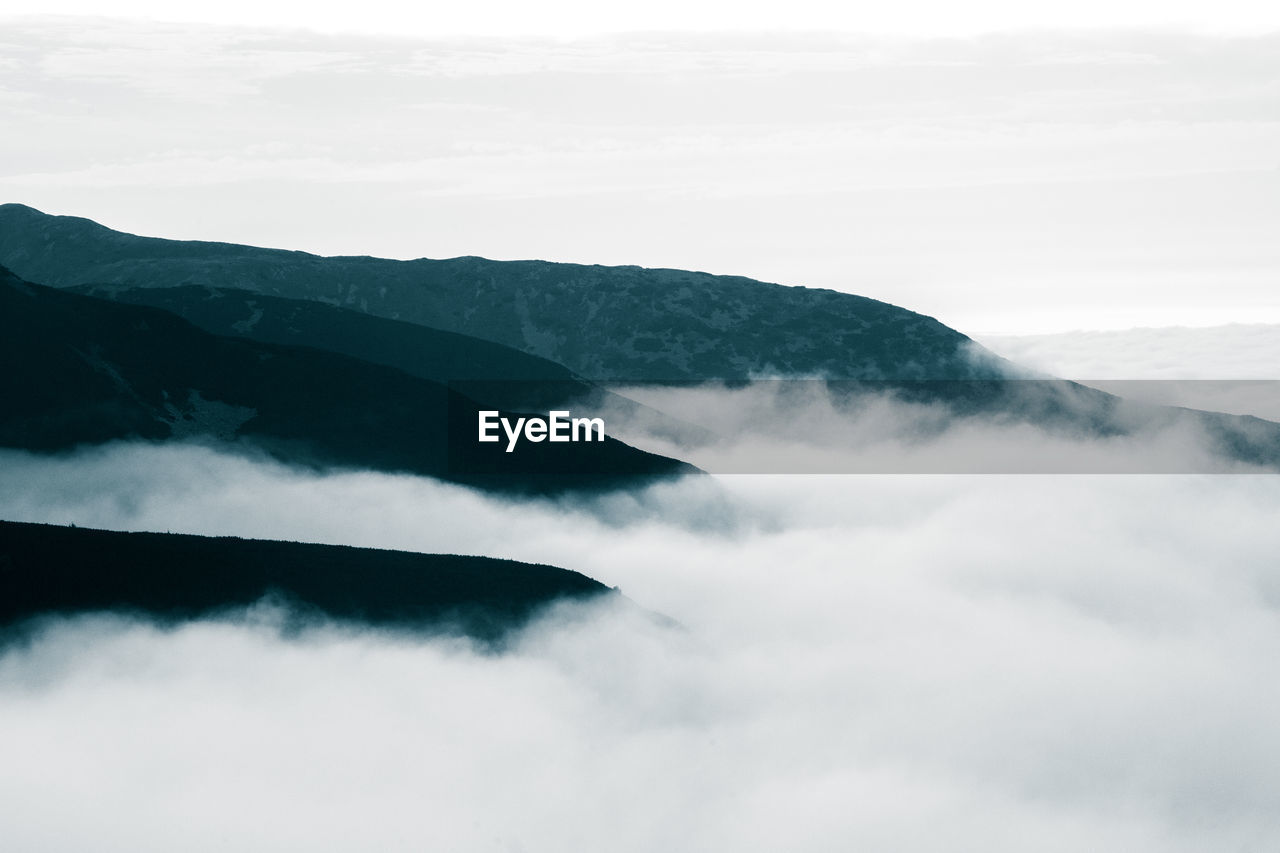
(605, 323)
(54, 570)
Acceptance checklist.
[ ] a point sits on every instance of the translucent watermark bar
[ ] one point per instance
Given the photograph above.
(817, 426)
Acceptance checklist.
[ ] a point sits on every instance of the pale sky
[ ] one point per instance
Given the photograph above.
(1016, 183)
(577, 18)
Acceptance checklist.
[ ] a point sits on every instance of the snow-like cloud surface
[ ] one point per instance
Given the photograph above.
(875, 662)
(1238, 351)
(1230, 368)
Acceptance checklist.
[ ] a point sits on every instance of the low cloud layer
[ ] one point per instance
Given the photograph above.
(1237, 351)
(1030, 426)
(864, 662)
(1229, 368)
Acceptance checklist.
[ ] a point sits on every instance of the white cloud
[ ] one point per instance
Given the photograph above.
(801, 426)
(1230, 368)
(865, 661)
(1236, 351)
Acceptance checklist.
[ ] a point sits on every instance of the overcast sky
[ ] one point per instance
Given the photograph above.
(1017, 183)
(574, 18)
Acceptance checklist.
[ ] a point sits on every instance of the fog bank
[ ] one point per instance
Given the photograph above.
(1071, 662)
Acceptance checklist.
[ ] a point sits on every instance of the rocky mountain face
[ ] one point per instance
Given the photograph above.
(603, 323)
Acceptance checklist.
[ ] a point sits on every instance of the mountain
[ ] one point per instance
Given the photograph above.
(613, 323)
(603, 323)
(418, 350)
(48, 570)
(75, 369)
(490, 373)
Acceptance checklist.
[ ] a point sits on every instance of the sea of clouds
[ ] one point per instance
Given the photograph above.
(860, 662)
(1033, 426)
(1231, 368)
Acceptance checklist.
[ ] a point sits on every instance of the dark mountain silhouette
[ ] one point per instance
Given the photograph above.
(418, 350)
(489, 373)
(619, 323)
(603, 323)
(75, 369)
(49, 570)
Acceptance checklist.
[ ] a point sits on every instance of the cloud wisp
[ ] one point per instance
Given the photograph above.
(1013, 426)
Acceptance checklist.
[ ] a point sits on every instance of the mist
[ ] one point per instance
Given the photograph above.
(1229, 368)
(1071, 662)
(1018, 426)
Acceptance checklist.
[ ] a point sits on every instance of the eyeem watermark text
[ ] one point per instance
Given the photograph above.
(556, 426)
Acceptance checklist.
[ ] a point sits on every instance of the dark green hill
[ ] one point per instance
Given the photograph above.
(491, 373)
(77, 370)
(603, 323)
(418, 350)
(48, 570)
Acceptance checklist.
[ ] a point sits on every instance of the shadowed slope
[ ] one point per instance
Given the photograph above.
(77, 370)
(48, 570)
(491, 373)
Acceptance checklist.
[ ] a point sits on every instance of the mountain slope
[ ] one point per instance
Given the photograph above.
(75, 369)
(604, 323)
(418, 350)
(491, 373)
(53, 570)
